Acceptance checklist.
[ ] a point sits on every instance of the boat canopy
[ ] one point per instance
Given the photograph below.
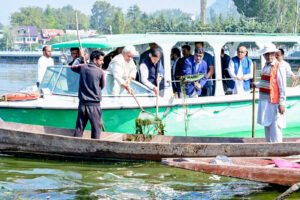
(119, 40)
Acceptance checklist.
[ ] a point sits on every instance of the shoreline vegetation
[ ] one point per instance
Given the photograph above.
(268, 16)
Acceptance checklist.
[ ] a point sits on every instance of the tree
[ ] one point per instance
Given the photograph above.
(65, 18)
(51, 21)
(118, 23)
(29, 16)
(102, 15)
(6, 42)
(203, 11)
(134, 20)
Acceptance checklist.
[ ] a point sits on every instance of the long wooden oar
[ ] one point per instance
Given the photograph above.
(157, 82)
(143, 114)
(253, 101)
(81, 49)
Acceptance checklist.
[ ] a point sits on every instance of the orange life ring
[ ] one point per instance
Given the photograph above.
(20, 96)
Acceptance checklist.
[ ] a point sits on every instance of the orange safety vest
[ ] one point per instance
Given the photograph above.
(270, 84)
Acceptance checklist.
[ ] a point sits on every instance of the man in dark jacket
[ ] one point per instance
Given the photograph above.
(91, 82)
(195, 65)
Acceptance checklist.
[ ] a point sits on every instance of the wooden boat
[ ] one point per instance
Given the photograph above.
(254, 169)
(40, 139)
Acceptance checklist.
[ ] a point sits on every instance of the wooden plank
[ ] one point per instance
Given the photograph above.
(296, 82)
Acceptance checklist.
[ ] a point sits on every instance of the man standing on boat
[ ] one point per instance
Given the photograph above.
(44, 62)
(91, 82)
(208, 87)
(195, 65)
(175, 56)
(151, 70)
(186, 52)
(272, 87)
(110, 56)
(75, 55)
(241, 70)
(286, 65)
(145, 54)
(123, 70)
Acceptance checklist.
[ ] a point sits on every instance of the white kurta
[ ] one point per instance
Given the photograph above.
(268, 114)
(286, 65)
(239, 84)
(121, 71)
(43, 63)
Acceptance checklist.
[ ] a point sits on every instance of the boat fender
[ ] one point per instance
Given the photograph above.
(20, 96)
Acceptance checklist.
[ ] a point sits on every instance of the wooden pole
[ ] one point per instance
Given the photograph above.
(78, 37)
(253, 101)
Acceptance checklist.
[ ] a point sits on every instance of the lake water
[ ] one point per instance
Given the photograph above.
(31, 178)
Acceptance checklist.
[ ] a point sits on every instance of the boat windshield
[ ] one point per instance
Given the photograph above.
(60, 79)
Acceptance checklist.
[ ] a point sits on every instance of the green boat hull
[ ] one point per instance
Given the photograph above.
(218, 120)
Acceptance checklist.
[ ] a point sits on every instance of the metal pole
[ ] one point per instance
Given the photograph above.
(253, 101)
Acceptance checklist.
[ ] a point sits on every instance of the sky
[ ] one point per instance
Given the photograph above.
(85, 6)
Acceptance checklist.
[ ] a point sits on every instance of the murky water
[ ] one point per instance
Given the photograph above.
(22, 178)
(44, 179)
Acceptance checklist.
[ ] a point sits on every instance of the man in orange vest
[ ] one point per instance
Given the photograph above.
(272, 87)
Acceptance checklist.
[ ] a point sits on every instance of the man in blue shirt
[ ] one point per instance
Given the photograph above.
(195, 65)
(208, 88)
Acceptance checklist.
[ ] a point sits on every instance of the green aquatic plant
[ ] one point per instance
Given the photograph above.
(143, 127)
(183, 80)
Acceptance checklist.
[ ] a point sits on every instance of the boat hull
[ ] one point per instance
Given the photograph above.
(206, 120)
(254, 169)
(40, 139)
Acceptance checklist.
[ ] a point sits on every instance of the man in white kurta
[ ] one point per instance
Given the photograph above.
(241, 79)
(123, 70)
(44, 62)
(284, 64)
(272, 115)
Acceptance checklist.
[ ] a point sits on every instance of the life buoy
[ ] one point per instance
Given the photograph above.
(20, 96)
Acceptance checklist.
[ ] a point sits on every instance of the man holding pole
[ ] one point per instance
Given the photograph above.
(91, 82)
(272, 96)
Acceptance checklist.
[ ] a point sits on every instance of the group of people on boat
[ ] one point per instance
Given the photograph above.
(151, 73)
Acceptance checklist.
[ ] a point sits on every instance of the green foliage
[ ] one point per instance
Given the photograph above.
(118, 23)
(102, 16)
(6, 43)
(50, 18)
(143, 126)
(30, 16)
(265, 16)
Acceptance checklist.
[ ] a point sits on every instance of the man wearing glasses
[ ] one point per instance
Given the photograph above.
(195, 65)
(241, 70)
(123, 70)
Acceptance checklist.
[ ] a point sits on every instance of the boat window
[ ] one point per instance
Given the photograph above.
(50, 77)
(67, 83)
(138, 88)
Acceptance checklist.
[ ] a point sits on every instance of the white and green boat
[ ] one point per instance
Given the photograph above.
(216, 116)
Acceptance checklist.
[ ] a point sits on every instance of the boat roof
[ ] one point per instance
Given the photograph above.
(119, 40)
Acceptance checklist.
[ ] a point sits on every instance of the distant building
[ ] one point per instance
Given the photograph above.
(47, 34)
(82, 33)
(25, 36)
